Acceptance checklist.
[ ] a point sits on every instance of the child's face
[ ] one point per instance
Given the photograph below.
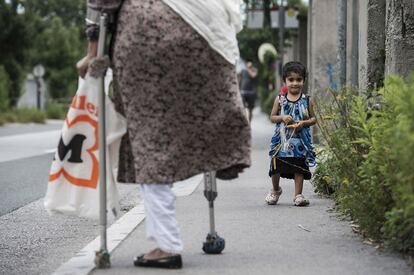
(294, 82)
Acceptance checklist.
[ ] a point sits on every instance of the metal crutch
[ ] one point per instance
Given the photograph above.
(102, 257)
(214, 244)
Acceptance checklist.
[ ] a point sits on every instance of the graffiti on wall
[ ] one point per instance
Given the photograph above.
(330, 74)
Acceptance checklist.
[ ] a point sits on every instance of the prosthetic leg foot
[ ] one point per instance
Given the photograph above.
(214, 244)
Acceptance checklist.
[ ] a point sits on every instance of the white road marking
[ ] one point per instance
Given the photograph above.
(27, 145)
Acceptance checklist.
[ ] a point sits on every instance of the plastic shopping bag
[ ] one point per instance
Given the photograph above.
(73, 186)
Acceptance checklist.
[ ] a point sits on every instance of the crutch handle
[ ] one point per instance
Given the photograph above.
(210, 186)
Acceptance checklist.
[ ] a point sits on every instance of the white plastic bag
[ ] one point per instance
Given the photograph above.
(73, 186)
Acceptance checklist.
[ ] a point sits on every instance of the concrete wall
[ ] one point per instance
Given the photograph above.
(28, 99)
(372, 43)
(350, 18)
(302, 40)
(380, 41)
(400, 37)
(352, 42)
(322, 45)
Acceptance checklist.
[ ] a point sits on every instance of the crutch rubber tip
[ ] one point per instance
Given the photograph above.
(214, 244)
(102, 259)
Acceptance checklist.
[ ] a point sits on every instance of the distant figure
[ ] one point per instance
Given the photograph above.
(248, 87)
(291, 148)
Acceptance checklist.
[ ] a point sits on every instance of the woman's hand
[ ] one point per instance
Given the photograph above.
(83, 64)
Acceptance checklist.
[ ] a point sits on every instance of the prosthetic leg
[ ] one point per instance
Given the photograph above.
(214, 244)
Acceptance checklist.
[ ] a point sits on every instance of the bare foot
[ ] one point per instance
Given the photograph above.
(157, 254)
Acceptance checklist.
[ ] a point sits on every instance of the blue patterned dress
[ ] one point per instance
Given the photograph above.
(292, 152)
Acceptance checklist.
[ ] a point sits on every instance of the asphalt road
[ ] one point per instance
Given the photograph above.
(23, 181)
(24, 163)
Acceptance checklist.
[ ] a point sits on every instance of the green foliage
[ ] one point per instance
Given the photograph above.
(24, 115)
(9, 117)
(269, 101)
(399, 223)
(57, 48)
(72, 12)
(4, 89)
(47, 32)
(367, 162)
(14, 45)
(251, 39)
(56, 110)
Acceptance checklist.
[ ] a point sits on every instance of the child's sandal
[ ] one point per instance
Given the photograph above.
(300, 200)
(272, 197)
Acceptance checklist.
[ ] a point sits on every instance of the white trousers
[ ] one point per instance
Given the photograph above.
(161, 223)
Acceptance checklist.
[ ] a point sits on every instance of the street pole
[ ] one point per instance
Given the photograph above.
(38, 73)
(341, 42)
(310, 56)
(281, 31)
(38, 93)
(355, 43)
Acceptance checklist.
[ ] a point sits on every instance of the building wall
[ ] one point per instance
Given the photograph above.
(353, 43)
(349, 20)
(322, 45)
(385, 41)
(28, 99)
(372, 46)
(399, 44)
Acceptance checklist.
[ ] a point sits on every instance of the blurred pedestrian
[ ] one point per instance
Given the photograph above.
(291, 148)
(248, 87)
(174, 80)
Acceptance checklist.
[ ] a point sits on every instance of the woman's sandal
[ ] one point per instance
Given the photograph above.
(170, 262)
(272, 197)
(300, 200)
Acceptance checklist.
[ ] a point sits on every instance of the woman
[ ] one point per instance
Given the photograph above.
(175, 82)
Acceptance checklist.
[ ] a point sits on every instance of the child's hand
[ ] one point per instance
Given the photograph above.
(296, 126)
(287, 119)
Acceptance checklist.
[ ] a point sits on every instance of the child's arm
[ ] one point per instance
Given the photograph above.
(312, 118)
(275, 118)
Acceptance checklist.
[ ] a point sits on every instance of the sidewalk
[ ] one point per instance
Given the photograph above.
(262, 239)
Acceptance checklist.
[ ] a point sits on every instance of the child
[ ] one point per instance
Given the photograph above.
(291, 148)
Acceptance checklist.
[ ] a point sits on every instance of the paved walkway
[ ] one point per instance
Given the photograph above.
(262, 239)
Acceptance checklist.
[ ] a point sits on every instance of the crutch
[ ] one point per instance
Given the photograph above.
(102, 257)
(214, 244)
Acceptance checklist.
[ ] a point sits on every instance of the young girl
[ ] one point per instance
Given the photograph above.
(291, 148)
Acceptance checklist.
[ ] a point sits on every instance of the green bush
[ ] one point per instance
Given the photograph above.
(56, 110)
(399, 222)
(367, 161)
(268, 103)
(8, 117)
(4, 89)
(26, 115)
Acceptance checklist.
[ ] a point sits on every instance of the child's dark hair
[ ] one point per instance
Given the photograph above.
(294, 67)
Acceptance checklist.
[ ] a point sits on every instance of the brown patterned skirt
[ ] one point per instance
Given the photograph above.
(180, 98)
